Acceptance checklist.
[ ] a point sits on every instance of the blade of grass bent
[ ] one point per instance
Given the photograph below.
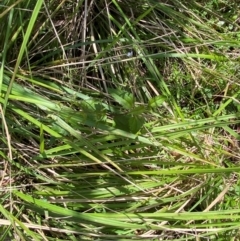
(90, 217)
(14, 220)
(23, 48)
(5, 47)
(9, 8)
(67, 127)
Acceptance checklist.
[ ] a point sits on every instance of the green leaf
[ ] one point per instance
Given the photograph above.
(135, 123)
(26, 37)
(125, 99)
(138, 110)
(73, 215)
(129, 123)
(94, 110)
(156, 101)
(122, 122)
(42, 141)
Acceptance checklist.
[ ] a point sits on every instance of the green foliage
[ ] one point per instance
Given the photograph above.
(129, 122)
(97, 144)
(156, 101)
(125, 99)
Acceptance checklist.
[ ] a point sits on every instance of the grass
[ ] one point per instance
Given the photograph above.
(120, 120)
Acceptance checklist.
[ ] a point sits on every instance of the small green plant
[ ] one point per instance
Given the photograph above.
(120, 120)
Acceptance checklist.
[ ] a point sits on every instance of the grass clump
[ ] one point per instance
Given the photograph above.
(120, 120)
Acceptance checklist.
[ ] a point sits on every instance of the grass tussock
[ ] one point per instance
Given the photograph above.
(120, 120)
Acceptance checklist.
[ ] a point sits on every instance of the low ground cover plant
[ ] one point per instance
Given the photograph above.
(120, 120)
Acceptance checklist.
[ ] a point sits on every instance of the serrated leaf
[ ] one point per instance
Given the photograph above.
(122, 122)
(58, 129)
(156, 101)
(94, 110)
(125, 99)
(135, 123)
(138, 110)
(88, 105)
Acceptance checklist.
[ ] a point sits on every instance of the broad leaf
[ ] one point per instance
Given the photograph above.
(125, 99)
(156, 101)
(135, 123)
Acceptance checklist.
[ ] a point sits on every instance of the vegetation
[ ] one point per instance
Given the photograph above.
(120, 120)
